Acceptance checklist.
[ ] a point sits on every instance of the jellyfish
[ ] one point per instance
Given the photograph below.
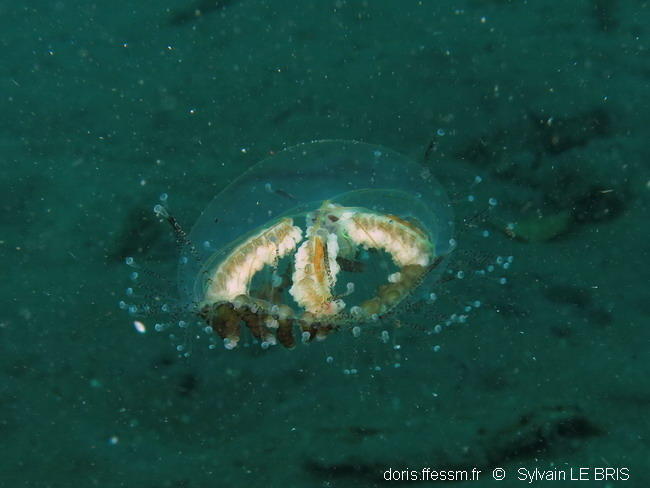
(320, 237)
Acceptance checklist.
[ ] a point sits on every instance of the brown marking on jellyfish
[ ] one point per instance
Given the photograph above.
(323, 330)
(317, 330)
(411, 225)
(326, 262)
(223, 319)
(310, 328)
(285, 333)
(357, 220)
(255, 323)
(318, 259)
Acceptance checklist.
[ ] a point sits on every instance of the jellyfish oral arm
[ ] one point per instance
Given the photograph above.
(404, 242)
(233, 276)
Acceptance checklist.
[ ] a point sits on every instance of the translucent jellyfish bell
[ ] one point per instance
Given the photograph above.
(320, 236)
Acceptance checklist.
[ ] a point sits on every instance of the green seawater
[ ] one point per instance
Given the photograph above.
(533, 116)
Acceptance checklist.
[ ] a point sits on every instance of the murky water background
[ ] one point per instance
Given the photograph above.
(106, 106)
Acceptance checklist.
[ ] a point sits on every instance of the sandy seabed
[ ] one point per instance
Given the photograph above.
(106, 106)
